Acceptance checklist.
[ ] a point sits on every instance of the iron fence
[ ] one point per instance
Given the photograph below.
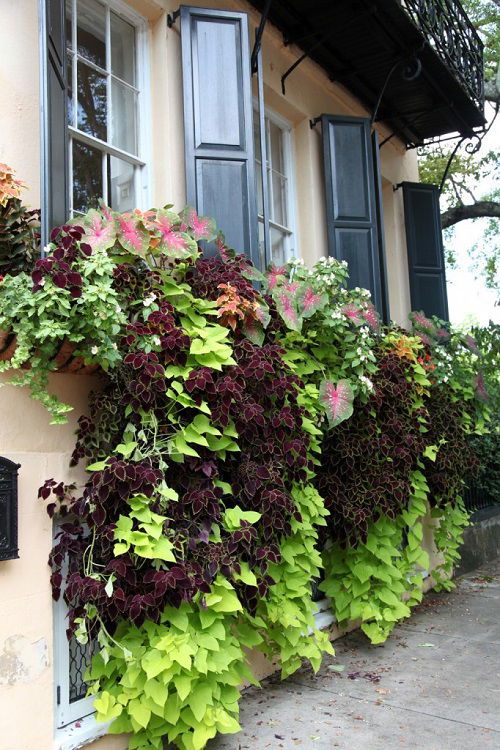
(476, 498)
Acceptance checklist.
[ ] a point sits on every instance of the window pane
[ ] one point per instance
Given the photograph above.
(92, 31)
(279, 199)
(278, 247)
(122, 49)
(276, 146)
(69, 16)
(69, 99)
(121, 192)
(92, 106)
(87, 177)
(123, 125)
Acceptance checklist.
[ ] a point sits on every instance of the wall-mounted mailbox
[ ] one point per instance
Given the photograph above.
(8, 509)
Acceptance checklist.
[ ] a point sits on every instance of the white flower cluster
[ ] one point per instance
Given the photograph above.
(366, 382)
(147, 301)
(362, 292)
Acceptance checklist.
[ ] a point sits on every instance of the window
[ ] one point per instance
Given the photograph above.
(279, 182)
(75, 722)
(71, 661)
(105, 103)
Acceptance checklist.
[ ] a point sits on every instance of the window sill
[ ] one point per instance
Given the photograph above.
(323, 617)
(79, 733)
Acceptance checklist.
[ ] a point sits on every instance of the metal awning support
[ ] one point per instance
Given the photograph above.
(172, 17)
(258, 36)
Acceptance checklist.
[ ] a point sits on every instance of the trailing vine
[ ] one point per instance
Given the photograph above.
(241, 442)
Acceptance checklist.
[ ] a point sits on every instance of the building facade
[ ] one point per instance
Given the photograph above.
(293, 124)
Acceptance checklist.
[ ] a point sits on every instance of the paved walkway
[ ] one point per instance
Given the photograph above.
(434, 685)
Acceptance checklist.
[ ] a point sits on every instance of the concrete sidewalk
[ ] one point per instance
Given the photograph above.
(434, 685)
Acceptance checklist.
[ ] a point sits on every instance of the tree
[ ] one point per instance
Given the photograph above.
(464, 196)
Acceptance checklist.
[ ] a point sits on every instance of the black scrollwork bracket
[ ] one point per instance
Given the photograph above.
(8, 509)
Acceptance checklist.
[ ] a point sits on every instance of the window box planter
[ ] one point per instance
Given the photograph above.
(64, 360)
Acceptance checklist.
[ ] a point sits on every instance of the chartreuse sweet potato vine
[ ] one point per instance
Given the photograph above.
(240, 441)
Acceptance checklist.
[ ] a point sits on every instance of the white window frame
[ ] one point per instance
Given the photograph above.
(74, 723)
(290, 231)
(141, 160)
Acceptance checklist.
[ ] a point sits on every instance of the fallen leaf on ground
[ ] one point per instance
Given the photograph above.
(382, 691)
(336, 667)
(427, 645)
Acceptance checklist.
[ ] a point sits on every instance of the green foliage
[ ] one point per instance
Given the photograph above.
(19, 244)
(205, 528)
(379, 581)
(286, 616)
(147, 538)
(448, 537)
(337, 334)
(179, 678)
(42, 320)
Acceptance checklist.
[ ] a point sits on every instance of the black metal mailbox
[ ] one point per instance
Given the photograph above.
(8, 509)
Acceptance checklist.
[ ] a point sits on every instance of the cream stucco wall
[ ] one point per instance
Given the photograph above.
(26, 660)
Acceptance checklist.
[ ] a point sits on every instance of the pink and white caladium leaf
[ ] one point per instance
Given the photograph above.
(254, 331)
(354, 314)
(202, 227)
(263, 314)
(131, 234)
(336, 400)
(309, 301)
(286, 306)
(276, 276)
(100, 232)
(105, 210)
(173, 243)
(224, 251)
(371, 316)
(252, 274)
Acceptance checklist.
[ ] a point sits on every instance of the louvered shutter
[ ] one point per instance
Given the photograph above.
(220, 180)
(54, 118)
(424, 241)
(353, 229)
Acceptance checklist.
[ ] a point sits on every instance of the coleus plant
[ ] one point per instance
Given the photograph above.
(196, 452)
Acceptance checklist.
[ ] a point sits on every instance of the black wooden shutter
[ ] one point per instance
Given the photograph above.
(424, 241)
(353, 230)
(54, 118)
(218, 123)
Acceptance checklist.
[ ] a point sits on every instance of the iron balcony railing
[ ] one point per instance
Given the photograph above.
(450, 32)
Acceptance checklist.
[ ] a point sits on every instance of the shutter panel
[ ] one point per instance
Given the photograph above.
(424, 242)
(218, 123)
(54, 118)
(353, 231)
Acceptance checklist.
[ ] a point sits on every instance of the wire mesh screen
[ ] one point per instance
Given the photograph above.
(80, 656)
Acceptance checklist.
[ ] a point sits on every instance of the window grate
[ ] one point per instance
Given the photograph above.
(80, 656)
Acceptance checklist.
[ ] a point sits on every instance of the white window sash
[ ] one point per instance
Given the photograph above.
(140, 160)
(289, 231)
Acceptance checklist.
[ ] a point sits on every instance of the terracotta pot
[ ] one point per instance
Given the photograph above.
(64, 359)
(8, 345)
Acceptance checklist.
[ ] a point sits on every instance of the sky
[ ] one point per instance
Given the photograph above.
(466, 295)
